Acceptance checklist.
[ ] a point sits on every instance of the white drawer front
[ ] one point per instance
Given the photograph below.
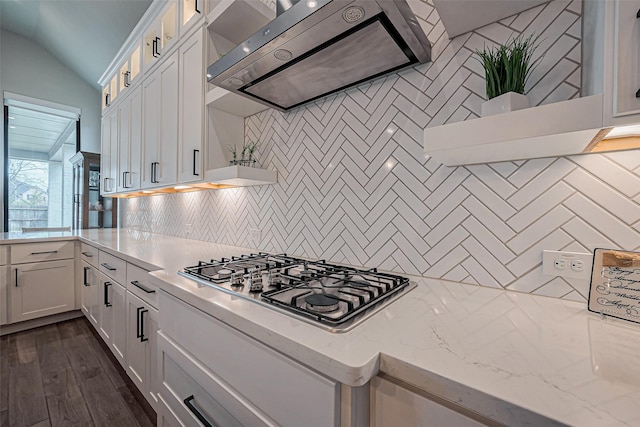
(205, 397)
(275, 384)
(43, 251)
(4, 254)
(138, 283)
(113, 267)
(89, 253)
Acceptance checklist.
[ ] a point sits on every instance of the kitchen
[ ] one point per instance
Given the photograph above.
(485, 335)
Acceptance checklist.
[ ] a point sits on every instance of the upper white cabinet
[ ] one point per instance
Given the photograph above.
(160, 125)
(191, 13)
(191, 126)
(161, 35)
(109, 150)
(602, 120)
(130, 140)
(131, 68)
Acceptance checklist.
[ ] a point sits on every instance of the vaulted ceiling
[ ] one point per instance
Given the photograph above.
(84, 35)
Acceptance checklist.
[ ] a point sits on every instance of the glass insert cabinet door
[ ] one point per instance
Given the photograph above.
(90, 210)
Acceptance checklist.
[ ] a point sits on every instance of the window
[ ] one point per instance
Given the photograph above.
(39, 177)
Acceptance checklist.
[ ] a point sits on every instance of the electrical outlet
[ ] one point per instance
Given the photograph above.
(572, 265)
(255, 235)
(187, 229)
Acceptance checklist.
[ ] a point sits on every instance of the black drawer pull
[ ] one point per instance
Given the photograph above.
(16, 277)
(106, 294)
(138, 333)
(144, 288)
(44, 252)
(85, 276)
(108, 267)
(87, 254)
(195, 411)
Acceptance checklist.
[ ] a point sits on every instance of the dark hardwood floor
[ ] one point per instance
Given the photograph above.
(63, 375)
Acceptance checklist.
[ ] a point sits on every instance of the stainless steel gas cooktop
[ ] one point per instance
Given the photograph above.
(331, 296)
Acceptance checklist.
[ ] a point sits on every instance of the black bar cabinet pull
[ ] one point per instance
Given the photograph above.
(44, 252)
(108, 267)
(141, 286)
(106, 294)
(138, 333)
(87, 254)
(84, 281)
(195, 411)
(124, 179)
(127, 74)
(195, 153)
(157, 46)
(154, 172)
(107, 99)
(16, 277)
(197, 8)
(142, 337)
(153, 47)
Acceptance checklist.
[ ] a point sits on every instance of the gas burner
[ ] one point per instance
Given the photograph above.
(328, 295)
(321, 303)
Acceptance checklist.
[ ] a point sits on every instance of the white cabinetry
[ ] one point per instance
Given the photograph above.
(141, 332)
(89, 292)
(393, 404)
(112, 317)
(4, 283)
(191, 13)
(253, 383)
(191, 108)
(130, 141)
(160, 35)
(43, 280)
(160, 125)
(626, 62)
(109, 152)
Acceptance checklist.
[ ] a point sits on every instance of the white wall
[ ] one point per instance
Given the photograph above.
(28, 69)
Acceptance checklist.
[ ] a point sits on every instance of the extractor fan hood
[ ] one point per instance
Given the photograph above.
(317, 47)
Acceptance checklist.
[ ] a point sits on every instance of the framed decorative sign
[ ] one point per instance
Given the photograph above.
(615, 284)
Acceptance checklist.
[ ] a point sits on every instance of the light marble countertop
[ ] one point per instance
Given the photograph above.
(518, 358)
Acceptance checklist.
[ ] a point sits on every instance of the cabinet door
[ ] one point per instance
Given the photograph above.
(166, 173)
(394, 405)
(118, 333)
(105, 149)
(113, 151)
(130, 141)
(142, 325)
(191, 11)
(4, 283)
(150, 134)
(41, 289)
(124, 112)
(88, 287)
(160, 140)
(191, 109)
(105, 296)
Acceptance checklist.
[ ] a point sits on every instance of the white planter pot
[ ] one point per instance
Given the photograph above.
(510, 101)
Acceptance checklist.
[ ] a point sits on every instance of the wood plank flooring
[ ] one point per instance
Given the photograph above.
(65, 375)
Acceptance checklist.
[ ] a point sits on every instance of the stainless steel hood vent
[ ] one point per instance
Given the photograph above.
(318, 47)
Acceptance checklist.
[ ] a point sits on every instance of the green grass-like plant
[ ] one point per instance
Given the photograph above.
(508, 67)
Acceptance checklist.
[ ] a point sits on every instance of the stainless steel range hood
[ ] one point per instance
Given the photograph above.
(317, 47)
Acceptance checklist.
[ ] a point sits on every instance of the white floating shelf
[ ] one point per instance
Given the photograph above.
(236, 20)
(462, 16)
(222, 99)
(552, 130)
(241, 176)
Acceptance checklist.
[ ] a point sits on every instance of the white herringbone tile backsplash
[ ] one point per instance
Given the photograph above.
(355, 186)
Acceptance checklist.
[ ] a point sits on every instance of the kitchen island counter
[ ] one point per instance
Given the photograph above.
(518, 358)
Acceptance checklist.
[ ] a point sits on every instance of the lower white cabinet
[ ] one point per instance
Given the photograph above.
(142, 344)
(112, 317)
(40, 289)
(222, 367)
(394, 404)
(89, 303)
(4, 283)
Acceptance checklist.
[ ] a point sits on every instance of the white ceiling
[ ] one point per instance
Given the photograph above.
(84, 35)
(37, 134)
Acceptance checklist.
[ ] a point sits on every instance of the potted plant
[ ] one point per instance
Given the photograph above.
(507, 68)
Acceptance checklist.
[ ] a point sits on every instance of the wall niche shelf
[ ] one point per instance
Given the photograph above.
(222, 99)
(237, 19)
(241, 176)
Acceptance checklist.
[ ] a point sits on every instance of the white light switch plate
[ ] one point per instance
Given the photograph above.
(572, 265)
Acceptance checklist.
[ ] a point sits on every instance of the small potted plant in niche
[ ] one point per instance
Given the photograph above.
(507, 68)
(246, 155)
